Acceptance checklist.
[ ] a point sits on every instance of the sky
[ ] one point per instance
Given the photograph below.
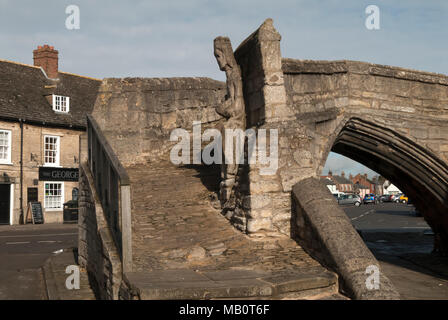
(174, 38)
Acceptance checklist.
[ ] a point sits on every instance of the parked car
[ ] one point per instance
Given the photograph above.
(396, 197)
(386, 198)
(350, 199)
(403, 199)
(369, 198)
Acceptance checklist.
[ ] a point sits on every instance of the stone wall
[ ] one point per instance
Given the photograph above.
(330, 93)
(390, 119)
(137, 115)
(96, 248)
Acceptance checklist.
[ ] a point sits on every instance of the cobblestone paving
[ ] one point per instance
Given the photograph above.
(175, 226)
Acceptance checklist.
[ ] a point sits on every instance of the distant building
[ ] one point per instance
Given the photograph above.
(342, 183)
(373, 185)
(42, 115)
(361, 189)
(390, 188)
(330, 185)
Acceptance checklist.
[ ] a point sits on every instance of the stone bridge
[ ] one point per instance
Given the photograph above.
(390, 119)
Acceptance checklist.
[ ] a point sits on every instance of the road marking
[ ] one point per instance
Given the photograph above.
(46, 241)
(19, 242)
(40, 235)
(364, 214)
(414, 227)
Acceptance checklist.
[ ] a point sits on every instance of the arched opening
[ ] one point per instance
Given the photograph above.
(416, 171)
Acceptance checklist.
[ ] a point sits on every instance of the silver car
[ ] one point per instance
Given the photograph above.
(350, 199)
(396, 197)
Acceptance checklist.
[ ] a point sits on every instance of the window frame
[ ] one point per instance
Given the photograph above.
(62, 195)
(67, 103)
(8, 158)
(58, 151)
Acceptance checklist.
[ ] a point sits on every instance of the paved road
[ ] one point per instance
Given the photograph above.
(402, 243)
(23, 251)
(392, 231)
(385, 216)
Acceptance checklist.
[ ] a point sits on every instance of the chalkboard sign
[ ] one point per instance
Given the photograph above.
(35, 208)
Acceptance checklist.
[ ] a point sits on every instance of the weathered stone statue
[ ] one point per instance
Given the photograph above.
(232, 109)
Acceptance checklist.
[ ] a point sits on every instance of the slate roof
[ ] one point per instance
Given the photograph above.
(23, 89)
(341, 180)
(327, 181)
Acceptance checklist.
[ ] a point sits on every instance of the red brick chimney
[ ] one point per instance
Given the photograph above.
(47, 58)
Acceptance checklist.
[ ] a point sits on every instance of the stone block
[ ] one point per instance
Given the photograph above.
(265, 187)
(257, 225)
(274, 79)
(196, 253)
(256, 201)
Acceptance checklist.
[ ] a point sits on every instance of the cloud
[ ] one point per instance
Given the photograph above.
(175, 38)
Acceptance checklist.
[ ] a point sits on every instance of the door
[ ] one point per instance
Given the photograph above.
(5, 197)
(350, 199)
(32, 195)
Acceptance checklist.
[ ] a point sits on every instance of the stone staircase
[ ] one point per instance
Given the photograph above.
(183, 248)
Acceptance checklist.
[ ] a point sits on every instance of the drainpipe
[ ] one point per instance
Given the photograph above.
(21, 219)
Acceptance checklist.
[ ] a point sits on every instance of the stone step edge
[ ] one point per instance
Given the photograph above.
(49, 280)
(263, 287)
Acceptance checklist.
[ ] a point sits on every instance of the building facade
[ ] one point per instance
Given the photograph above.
(42, 115)
(330, 185)
(360, 189)
(390, 188)
(342, 183)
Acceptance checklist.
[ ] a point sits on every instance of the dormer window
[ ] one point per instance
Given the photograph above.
(61, 103)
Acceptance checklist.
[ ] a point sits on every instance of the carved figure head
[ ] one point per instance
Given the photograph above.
(224, 53)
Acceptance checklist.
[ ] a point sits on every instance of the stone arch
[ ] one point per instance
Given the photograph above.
(417, 171)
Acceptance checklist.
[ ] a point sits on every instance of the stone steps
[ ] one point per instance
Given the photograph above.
(177, 231)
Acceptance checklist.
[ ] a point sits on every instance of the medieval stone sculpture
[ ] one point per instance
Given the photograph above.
(232, 109)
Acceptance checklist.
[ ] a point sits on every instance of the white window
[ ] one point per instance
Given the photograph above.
(5, 146)
(54, 195)
(51, 151)
(61, 103)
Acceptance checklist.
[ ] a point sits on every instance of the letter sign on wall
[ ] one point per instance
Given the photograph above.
(58, 174)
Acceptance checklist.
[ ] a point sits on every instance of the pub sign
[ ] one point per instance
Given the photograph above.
(58, 174)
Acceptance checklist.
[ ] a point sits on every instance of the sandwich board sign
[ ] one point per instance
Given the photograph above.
(34, 213)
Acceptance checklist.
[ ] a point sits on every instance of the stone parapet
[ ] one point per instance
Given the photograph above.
(137, 115)
(326, 233)
(96, 247)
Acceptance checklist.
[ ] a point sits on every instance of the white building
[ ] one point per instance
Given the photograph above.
(330, 185)
(390, 188)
